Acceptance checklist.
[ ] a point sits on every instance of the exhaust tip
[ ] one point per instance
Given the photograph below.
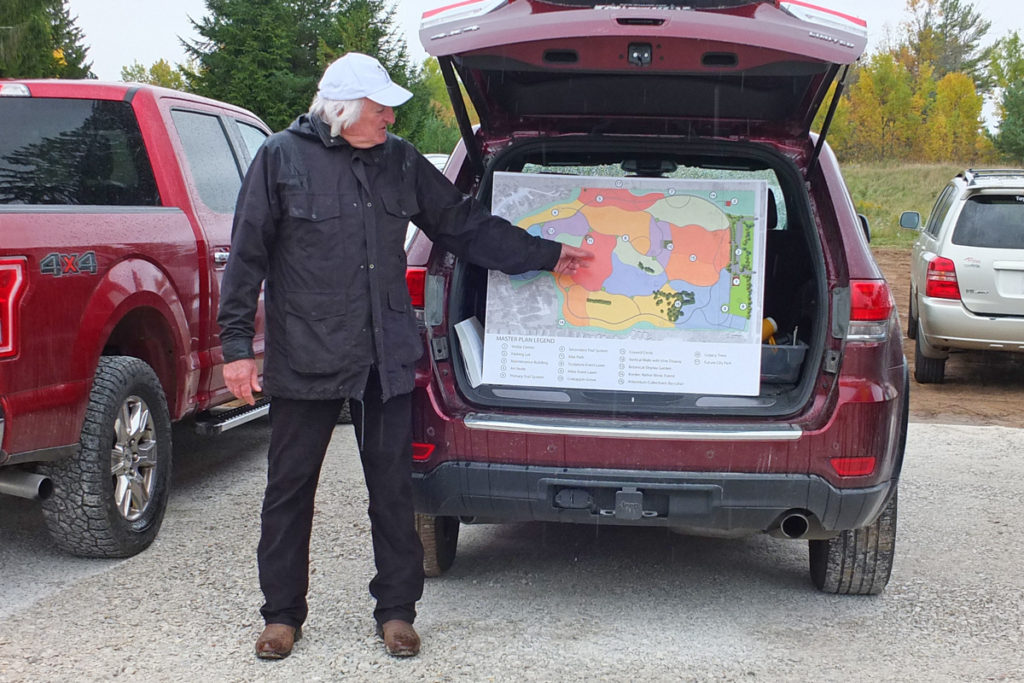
(25, 485)
(794, 525)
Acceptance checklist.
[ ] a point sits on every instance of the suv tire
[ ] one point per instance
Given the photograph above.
(440, 539)
(927, 370)
(109, 500)
(857, 561)
(911, 319)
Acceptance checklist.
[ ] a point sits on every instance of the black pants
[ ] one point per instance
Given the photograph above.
(300, 433)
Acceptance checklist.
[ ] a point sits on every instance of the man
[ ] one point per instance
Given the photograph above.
(321, 218)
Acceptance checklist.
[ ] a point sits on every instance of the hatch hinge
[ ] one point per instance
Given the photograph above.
(462, 116)
(439, 348)
(833, 105)
(832, 357)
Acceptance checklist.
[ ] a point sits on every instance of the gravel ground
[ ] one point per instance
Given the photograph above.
(534, 601)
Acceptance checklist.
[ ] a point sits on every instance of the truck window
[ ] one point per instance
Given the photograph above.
(210, 159)
(71, 151)
(252, 137)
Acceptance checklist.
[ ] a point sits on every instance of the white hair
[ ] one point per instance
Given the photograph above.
(338, 114)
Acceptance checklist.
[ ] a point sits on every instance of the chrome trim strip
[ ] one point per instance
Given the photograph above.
(622, 429)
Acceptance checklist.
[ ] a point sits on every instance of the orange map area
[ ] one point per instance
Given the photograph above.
(623, 199)
(705, 255)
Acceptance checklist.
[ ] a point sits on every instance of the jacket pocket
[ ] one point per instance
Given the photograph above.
(406, 344)
(311, 206)
(316, 333)
(400, 204)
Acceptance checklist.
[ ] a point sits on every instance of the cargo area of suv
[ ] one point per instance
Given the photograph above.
(718, 91)
(794, 291)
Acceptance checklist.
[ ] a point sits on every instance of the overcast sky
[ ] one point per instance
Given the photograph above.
(120, 32)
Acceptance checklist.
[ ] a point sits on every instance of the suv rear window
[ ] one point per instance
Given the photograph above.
(991, 221)
(72, 151)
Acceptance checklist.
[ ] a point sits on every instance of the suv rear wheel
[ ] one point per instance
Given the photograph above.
(109, 500)
(927, 370)
(440, 538)
(857, 561)
(911, 320)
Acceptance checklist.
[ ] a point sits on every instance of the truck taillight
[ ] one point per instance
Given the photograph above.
(12, 284)
(416, 281)
(871, 307)
(940, 281)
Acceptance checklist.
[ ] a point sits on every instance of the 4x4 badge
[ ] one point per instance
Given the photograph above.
(58, 265)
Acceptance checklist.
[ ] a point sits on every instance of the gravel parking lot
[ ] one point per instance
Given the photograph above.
(532, 601)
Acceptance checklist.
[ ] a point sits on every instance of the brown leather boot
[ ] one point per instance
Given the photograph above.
(400, 638)
(277, 640)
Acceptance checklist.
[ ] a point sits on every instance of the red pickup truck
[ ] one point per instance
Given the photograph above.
(115, 221)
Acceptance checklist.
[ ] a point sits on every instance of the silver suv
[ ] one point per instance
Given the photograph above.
(967, 270)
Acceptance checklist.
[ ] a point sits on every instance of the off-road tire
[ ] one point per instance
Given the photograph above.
(911, 320)
(857, 561)
(440, 539)
(927, 370)
(82, 515)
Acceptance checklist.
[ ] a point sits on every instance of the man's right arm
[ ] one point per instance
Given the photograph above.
(251, 234)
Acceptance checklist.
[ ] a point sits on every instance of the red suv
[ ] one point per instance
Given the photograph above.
(626, 118)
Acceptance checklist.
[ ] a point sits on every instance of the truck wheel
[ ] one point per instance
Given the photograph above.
(911, 320)
(109, 500)
(440, 538)
(857, 561)
(927, 370)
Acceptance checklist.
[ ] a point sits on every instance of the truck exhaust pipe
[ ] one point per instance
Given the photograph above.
(794, 525)
(25, 485)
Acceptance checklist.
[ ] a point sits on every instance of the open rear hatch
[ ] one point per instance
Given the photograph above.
(736, 69)
(665, 90)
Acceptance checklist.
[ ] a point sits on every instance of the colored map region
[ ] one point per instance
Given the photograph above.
(671, 259)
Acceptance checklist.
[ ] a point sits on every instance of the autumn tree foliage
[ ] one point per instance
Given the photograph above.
(922, 99)
(159, 73)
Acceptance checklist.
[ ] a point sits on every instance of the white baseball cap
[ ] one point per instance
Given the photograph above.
(355, 76)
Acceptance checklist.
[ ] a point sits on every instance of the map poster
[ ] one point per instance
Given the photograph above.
(671, 302)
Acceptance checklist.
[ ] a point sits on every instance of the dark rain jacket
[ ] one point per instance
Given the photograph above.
(323, 225)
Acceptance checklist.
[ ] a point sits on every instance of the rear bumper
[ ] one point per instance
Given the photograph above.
(947, 323)
(700, 503)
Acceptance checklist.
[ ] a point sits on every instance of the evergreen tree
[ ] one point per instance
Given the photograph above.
(268, 55)
(68, 51)
(947, 34)
(25, 48)
(1010, 140)
(39, 39)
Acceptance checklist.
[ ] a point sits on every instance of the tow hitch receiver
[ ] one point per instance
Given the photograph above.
(629, 505)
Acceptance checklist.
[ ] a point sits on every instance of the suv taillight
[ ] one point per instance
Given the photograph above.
(871, 307)
(416, 281)
(940, 282)
(12, 284)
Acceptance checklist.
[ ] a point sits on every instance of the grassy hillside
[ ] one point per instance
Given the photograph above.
(882, 191)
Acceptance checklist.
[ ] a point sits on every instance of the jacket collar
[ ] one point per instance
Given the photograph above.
(308, 126)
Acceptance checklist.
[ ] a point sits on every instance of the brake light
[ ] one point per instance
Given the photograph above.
(422, 451)
(940, 281)
(853, 467)
(12, 284)
(416, 281)
(871, 308)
